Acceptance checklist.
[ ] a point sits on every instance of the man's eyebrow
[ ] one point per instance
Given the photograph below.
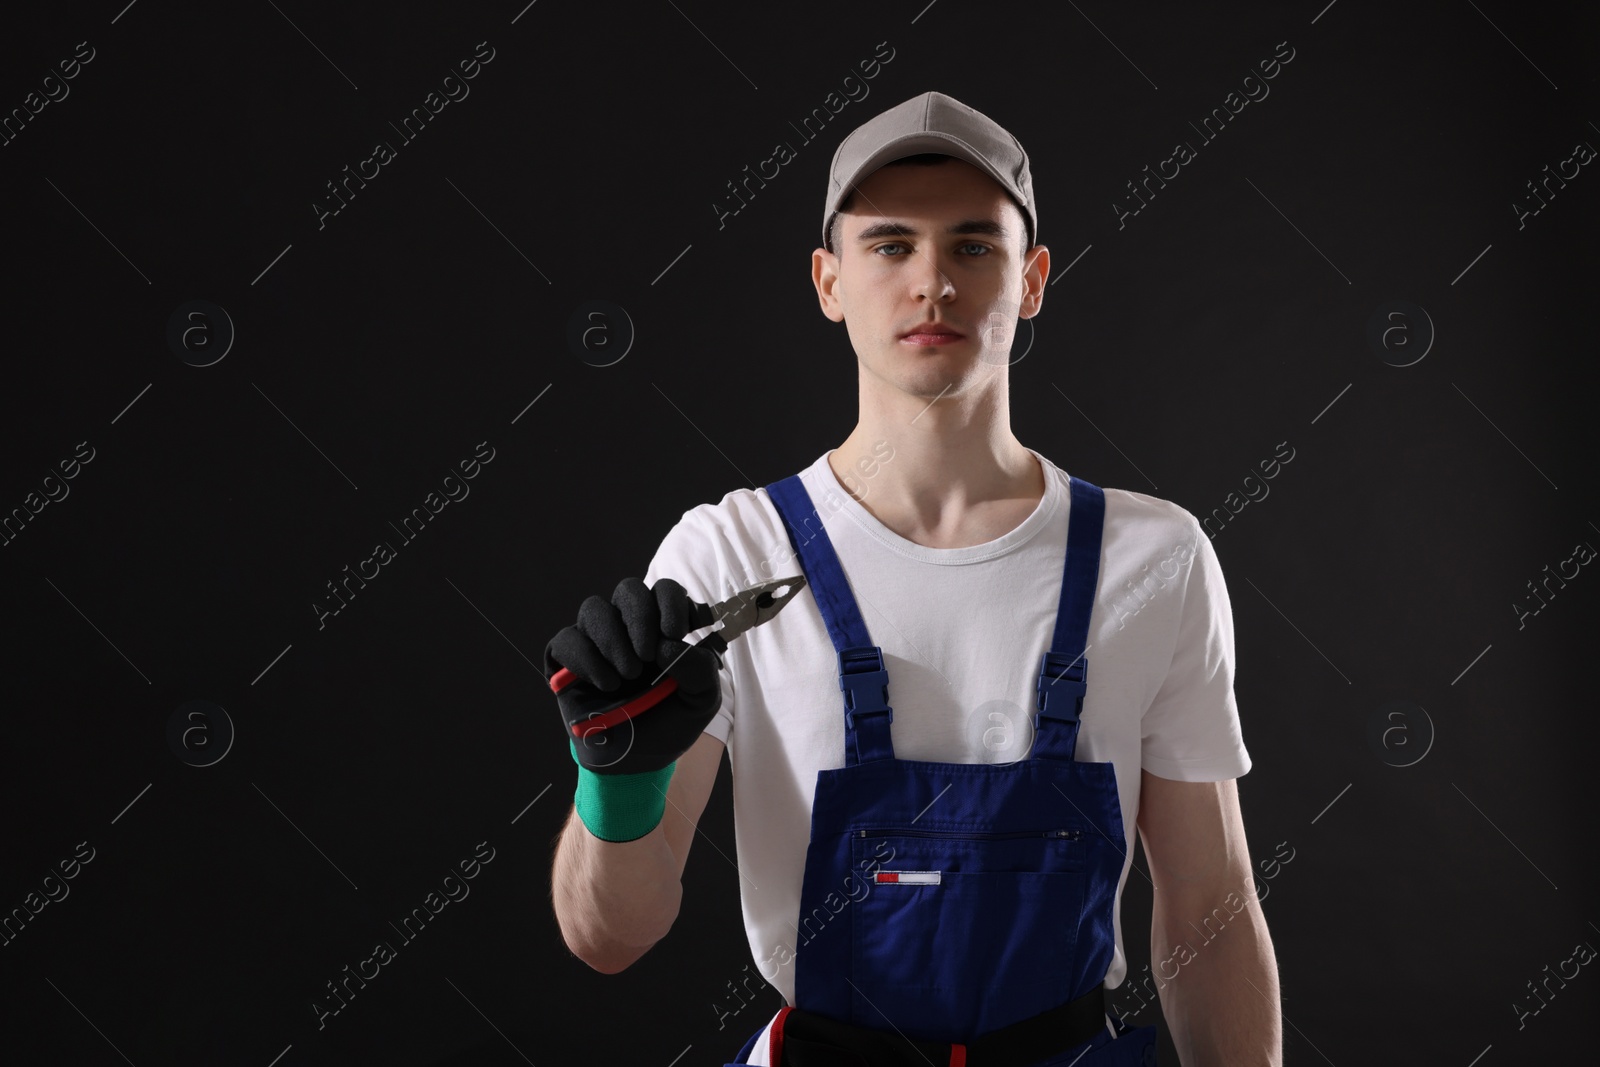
(893, 228)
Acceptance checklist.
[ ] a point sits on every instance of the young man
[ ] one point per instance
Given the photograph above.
(952, 883)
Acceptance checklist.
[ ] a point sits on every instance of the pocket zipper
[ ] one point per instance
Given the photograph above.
(1069, 835)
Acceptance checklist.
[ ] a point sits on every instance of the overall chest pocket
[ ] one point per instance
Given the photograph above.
(962, 932)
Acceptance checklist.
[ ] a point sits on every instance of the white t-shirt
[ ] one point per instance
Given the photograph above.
(962, 631)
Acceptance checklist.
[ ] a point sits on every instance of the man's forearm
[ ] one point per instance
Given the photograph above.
(614, 900)
(1221, 999)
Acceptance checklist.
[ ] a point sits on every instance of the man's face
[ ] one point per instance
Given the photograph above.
(930, 244)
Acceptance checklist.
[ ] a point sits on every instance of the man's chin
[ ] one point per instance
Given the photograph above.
(932, 382)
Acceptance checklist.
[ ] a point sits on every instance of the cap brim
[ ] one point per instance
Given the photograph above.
(910, 145)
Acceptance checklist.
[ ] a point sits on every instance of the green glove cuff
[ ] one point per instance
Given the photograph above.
(620, 807)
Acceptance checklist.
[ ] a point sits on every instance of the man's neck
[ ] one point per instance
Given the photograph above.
(945, 480)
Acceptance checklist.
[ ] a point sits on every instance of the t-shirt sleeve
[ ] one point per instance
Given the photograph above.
(1191, 729)
(687, 555)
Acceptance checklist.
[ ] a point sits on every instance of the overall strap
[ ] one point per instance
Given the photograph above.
(1063, 671)
(863, 678)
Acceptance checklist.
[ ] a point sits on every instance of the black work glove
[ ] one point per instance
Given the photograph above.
(618, 651)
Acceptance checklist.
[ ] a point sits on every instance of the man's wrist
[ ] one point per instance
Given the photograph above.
(620, 807)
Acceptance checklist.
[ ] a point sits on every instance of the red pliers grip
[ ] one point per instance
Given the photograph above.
(739, 613)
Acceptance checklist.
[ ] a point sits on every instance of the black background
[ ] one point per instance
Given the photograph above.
(375, 352)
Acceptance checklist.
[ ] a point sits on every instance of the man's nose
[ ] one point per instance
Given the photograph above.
(932, 281)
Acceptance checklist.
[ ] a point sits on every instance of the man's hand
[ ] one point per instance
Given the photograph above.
(620, 650)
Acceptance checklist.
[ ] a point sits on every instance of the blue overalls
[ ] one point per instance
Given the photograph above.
(991, 885)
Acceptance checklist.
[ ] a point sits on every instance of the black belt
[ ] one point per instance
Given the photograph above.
(806, 1039)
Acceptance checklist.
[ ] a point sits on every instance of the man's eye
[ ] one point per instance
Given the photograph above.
(983, 249)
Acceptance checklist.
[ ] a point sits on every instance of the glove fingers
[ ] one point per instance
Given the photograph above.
(636, 606)
(603, 625)
(694, 668)
(572, 649)
(675, 608)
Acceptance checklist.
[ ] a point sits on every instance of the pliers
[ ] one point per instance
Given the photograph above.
(739, 613)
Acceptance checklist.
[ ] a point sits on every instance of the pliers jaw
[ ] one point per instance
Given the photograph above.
(752, 607)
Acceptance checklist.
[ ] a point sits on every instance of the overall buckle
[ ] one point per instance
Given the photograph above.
(1065, 678)
(864, 680)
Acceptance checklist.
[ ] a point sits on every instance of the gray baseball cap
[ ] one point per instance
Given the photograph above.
(932, 122)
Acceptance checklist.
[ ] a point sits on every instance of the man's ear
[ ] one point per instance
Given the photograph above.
(1035, 273)
(825, 276)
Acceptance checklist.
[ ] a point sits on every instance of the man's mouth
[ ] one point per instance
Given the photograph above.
(931, 334)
